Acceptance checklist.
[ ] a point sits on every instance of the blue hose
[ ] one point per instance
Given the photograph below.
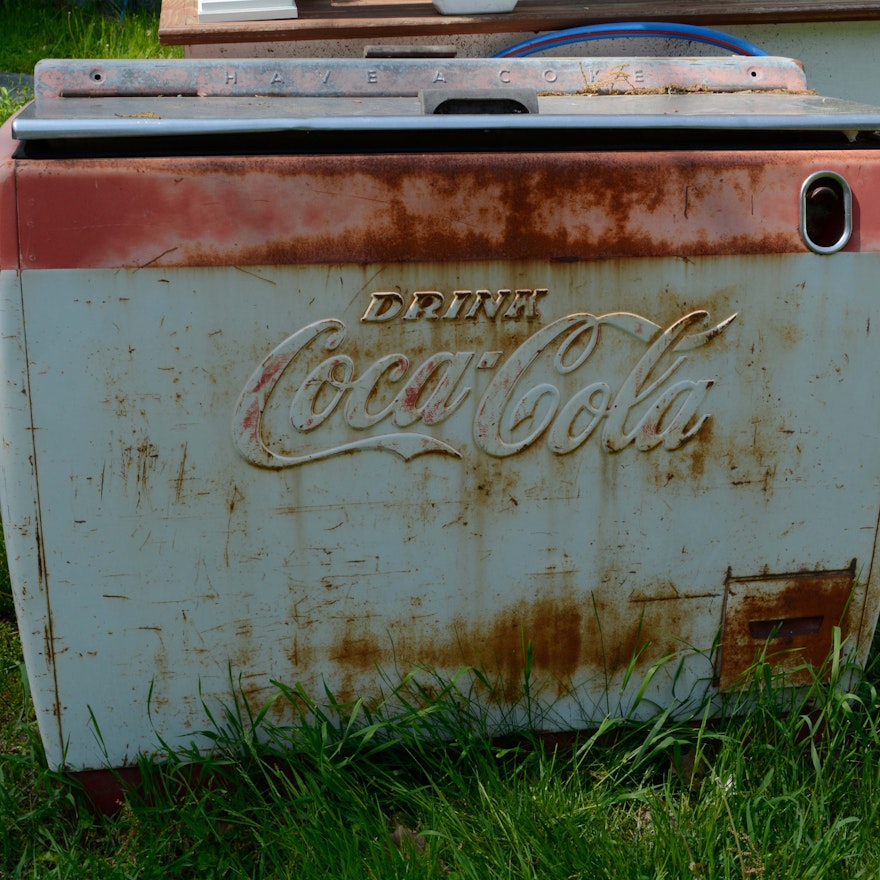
(631, 29)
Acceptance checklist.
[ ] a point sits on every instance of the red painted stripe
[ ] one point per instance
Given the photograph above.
(287, 210)
(8, 212)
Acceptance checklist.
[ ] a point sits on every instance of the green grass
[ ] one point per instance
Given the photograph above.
(36, 29)
(787, 789)
(10, 102)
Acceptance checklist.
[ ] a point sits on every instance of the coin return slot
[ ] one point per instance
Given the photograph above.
(785, 629)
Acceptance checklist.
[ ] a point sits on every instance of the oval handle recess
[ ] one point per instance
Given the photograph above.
(826, 221)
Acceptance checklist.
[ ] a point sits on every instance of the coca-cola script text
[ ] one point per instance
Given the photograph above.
(653, 404)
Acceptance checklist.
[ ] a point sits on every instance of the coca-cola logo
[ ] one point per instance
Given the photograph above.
(393, 400)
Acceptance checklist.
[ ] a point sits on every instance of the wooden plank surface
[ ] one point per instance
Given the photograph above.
(341, 19)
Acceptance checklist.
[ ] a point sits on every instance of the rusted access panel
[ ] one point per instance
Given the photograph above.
(327, 417)
(783, 620)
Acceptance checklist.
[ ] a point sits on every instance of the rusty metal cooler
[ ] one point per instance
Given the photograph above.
(322, 372)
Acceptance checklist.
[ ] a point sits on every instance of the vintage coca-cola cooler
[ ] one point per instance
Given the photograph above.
(322, 372)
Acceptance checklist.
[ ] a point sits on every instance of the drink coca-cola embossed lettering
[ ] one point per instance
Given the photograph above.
(652, 404)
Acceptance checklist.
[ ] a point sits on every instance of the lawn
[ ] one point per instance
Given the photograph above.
(36, 29)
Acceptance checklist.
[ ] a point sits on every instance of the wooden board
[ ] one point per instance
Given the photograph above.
(341, 19)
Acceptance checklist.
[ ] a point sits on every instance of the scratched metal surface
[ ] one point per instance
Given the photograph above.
(168, 116)
(97, 99)
(56, 81)
(565, 206)
(320, 419)
(237, 469)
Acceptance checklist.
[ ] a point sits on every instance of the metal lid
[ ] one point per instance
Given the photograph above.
(110, 99)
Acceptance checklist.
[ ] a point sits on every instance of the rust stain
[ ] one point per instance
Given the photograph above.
(38, 537)
(699, 452)
(301, 654)
(786, 619)
(572, 636)
(48, 643)
(359, 647)
(233, 498)
(181, 475)
(254, 689)
(688, 463)
(790, 333)
(324, 209)
(552, 626)
(141, 459)
(244, 629)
